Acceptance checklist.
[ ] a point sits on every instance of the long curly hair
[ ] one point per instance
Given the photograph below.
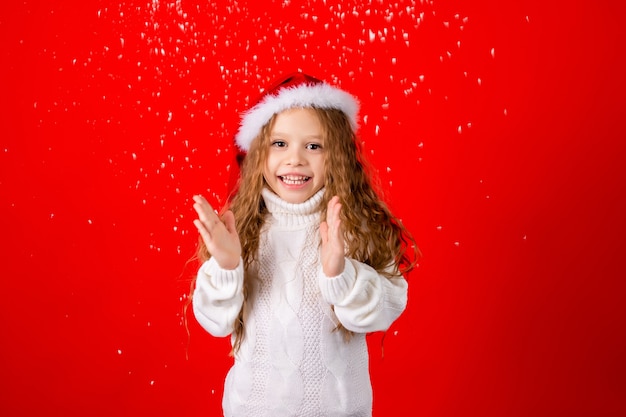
(372, 233)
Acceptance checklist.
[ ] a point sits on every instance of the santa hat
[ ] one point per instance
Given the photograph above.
(297, 90)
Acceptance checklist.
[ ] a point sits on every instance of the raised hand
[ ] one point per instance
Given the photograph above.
(333, 247)
(219, 235)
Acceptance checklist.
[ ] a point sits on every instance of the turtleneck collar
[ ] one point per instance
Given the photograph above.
(293, 214)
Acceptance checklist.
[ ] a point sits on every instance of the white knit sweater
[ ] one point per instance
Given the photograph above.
(291, 362)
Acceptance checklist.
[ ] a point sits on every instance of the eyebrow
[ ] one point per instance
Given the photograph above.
(285, 135)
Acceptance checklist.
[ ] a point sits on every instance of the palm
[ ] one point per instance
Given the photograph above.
(333, 250)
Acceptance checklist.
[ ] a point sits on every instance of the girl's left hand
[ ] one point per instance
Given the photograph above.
(333, 246)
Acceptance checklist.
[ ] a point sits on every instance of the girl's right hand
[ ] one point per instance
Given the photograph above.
(219, 235)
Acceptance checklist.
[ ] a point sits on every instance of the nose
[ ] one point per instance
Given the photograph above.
(295, 156)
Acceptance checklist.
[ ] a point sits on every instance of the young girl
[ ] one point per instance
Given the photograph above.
(304, 261)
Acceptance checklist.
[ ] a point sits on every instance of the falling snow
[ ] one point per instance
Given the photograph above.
(186, 74)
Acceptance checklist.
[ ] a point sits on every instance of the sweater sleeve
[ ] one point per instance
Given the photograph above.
(218, 297)
(364, 300)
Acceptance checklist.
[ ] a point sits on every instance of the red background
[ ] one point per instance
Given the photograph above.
(498, 129)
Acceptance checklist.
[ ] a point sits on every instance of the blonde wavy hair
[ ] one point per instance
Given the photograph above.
(372, 233)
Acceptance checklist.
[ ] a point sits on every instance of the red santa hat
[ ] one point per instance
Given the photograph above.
(297, 90)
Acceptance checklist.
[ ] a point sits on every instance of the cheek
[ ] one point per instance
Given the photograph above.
(267, 169)
(321, 174)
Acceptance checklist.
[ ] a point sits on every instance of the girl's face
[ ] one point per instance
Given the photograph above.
(294, 168)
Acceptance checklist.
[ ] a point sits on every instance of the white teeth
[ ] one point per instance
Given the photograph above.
(293, 179)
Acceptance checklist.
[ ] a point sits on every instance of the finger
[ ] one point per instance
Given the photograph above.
(203, 204)
(204, 232)
(330, 209)
(333, 202)
(336, 211)
(333, 216)
(229, 221)
(324, 232)
(201, 200)
(203, 218)
(206, 214)
(334, 236)
(335, 224)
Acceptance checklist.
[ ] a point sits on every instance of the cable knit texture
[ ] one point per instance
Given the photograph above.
(291, 361)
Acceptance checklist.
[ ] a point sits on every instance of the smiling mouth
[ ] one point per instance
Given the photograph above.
(294, 179)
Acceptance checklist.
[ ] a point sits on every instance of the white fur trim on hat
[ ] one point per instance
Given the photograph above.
(319, 95)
